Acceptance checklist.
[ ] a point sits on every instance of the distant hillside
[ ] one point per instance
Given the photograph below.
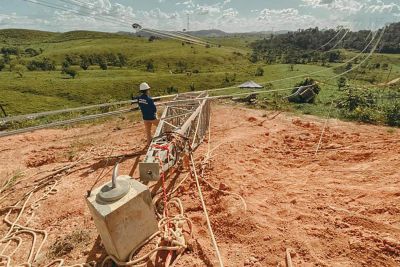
(23, 36)
(213, 33)
(308, 45)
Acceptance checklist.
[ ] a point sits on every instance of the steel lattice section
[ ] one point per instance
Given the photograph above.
(182, 127)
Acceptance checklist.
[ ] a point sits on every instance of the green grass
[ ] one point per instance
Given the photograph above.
(217, 67)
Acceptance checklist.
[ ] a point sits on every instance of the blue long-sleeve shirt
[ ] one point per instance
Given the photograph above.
(148, 108)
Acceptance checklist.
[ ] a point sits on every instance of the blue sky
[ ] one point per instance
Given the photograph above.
(227, 15)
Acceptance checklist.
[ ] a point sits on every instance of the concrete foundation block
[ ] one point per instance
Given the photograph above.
(124, 224)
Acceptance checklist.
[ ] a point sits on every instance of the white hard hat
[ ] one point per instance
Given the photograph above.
(144, 87)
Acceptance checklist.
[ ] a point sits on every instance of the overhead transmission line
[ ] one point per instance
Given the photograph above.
(341, 39)
(218, 89)
(76, 12)
(88, 12)
(331, 40)
(41, 114)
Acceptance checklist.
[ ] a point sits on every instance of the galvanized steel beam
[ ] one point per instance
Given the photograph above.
(187, 119)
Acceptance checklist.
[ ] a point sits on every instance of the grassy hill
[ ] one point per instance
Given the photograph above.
(168, 65)
(42, 90)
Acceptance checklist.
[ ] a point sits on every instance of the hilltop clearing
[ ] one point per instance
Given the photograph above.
(339, 207)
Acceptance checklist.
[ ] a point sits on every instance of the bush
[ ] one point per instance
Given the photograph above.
(259, 71)
(341, 82)
(10, 51)
(72, 73)
(2, 65)
(45, 65)
(103, 63)
(65, 65)
(150, 66)
(85, 63)
(392, 115)
(358, 99)
(171, 90)
(32, 52)
(364, 114)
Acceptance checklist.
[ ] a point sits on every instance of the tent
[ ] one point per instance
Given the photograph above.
(250, 84)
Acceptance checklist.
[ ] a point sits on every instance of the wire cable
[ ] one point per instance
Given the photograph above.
(214, 241)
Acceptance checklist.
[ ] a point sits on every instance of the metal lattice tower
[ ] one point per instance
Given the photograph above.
(186, 117)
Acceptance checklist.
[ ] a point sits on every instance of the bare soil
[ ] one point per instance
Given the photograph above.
(340, 207)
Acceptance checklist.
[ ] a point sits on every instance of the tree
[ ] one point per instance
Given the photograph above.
(260, 71)
(45, 65)
(85, 63)
(103, 63)
(65, 65)
(7, 59)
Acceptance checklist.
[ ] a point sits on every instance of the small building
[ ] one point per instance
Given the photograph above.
(250, 85)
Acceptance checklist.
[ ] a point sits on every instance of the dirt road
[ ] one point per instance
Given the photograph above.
(340, 207)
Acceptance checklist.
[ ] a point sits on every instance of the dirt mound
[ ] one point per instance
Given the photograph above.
(337, 208)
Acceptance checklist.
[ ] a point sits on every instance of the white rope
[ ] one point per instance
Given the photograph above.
(221, 263)
(54, 112)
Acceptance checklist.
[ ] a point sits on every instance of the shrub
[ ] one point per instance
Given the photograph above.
(349, 66)
(259, 71)
(45, 65)
(392, 115)
(85, 63)
(73, 59)
(364, 114)
(2, 65)
(71, 72)
(103, 63)
(171, 90)
(32, 52)
(341, 82)
(65, 65)
(150, 66)
(10, 51)
(356, 99)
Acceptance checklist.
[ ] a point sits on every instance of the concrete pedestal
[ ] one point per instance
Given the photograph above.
(125, 223)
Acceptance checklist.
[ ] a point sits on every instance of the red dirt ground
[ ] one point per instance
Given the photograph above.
(339, 208)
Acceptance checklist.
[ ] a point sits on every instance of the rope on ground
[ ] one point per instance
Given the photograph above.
(221, 264)
(323, 129)
(28, 204)
(173, 235)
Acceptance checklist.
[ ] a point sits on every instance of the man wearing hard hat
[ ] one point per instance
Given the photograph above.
(149, 110)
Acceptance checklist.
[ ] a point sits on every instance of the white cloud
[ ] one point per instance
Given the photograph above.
(348, 6)
(381, 7)
(14, 21)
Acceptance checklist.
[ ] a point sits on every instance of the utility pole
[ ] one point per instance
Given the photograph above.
(188, 22)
